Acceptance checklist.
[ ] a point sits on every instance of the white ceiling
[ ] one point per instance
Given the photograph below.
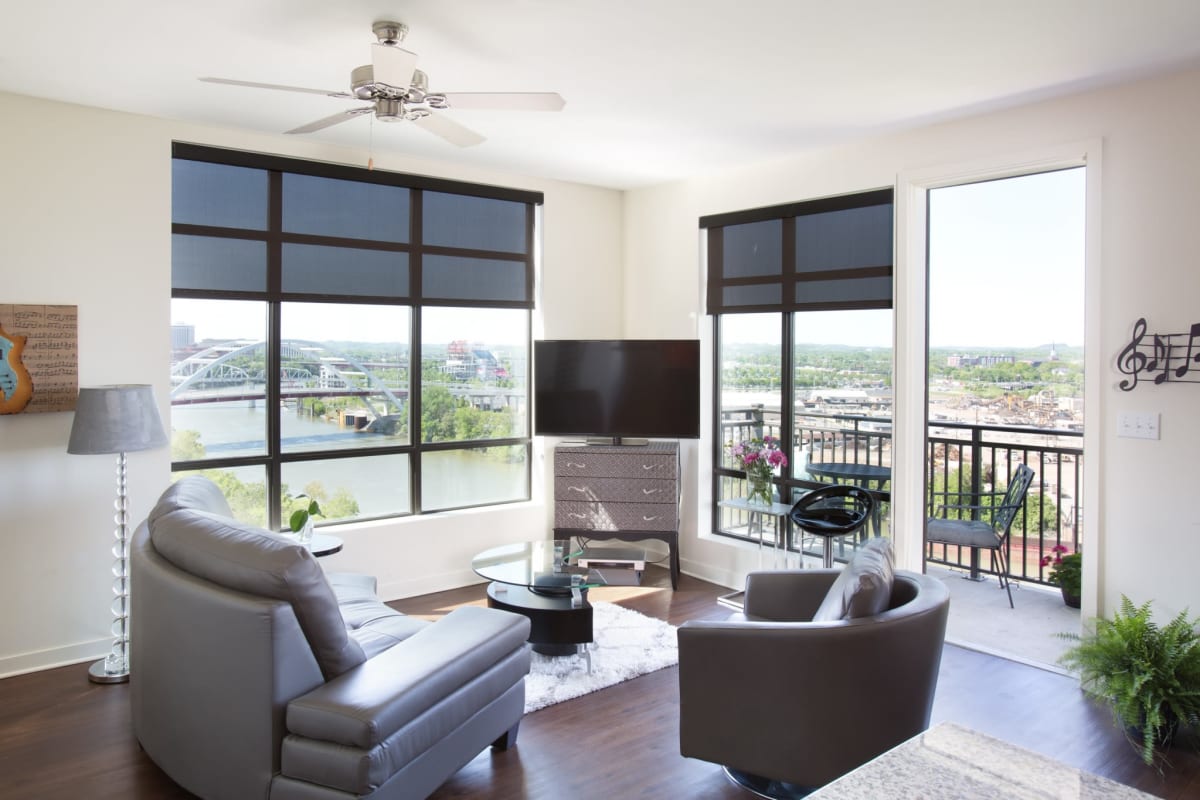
(655, 89)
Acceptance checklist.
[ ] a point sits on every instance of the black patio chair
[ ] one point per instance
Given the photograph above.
(990, 534)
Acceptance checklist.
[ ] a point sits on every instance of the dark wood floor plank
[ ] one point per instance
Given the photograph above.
(62, 737)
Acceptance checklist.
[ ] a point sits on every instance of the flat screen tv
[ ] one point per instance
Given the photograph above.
(617, 389)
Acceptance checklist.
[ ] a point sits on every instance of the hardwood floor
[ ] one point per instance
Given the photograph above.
(62, 737)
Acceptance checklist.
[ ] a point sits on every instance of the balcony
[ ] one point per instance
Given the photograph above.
(962, 459)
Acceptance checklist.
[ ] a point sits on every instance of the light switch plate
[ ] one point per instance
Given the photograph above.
(1138, 425)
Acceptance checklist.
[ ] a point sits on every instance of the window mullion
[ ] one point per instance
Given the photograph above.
(274, 347)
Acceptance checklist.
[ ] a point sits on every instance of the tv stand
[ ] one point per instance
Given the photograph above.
(621, 492)
(616, 441)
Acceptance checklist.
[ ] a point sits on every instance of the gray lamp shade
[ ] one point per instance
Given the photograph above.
(116, 419)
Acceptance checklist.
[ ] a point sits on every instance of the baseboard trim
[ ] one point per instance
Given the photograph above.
(53, 658)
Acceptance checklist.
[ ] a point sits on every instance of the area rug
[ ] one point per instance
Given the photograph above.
(626, 644)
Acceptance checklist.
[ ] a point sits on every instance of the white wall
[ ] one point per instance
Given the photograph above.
(1148, 533)
(85, 203)
(85, 199)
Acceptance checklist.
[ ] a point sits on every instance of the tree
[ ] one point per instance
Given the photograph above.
(437, 414)
(186, 446)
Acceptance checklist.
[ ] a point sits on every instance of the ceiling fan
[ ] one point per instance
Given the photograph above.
(398, 91)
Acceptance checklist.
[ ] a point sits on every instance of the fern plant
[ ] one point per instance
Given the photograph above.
(1149, 674)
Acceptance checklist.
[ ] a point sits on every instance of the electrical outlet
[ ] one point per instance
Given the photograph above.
(1138, 425)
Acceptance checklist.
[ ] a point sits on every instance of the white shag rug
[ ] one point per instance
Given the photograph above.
(626, 644)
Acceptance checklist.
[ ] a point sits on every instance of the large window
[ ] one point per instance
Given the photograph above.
(801, 299)
(355, 336)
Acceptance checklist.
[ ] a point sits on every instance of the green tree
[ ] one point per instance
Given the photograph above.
(186, 446)
(437, 414)
(248, 501)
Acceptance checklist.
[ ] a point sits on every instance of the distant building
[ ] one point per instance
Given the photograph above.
(472, 362)
(182, 336)
(978, 361)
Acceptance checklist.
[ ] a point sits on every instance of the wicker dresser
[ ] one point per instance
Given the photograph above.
(628, 493)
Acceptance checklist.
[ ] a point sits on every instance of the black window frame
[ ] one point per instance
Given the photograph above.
(788, 279)
(413, 300)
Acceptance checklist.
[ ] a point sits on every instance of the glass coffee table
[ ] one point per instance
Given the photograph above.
(538, 580)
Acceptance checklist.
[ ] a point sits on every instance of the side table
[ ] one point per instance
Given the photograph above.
(757, 511)
(325, 544)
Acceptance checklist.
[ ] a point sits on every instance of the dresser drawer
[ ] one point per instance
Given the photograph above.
(578, 461)
(615, 516)
(631, 490)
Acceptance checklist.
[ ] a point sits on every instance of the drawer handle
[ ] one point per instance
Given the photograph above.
(649, 519)
(576, 488)
(579, 465)
(651, 491)
(576, 516)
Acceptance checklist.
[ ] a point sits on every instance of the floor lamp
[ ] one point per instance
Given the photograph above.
(117, 419)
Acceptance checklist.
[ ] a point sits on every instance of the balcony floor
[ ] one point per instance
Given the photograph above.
(981, 619)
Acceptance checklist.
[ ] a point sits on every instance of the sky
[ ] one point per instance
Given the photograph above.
(1006, 262)
(1005, 270)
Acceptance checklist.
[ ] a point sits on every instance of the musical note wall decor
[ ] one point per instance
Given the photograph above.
(39, 364)
(1160, 357)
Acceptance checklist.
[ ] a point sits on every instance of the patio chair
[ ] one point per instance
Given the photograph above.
(990, 534)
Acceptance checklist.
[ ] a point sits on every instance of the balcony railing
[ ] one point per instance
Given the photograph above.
(963, 459)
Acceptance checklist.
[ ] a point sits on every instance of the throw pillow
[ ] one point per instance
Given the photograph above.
(864, 586)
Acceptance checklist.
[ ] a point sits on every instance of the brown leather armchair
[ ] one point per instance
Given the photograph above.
(787, 705)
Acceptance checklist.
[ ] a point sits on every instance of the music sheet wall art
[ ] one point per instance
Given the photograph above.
(39, 358)
(1160, 357)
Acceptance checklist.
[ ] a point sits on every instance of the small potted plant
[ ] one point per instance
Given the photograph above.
(1066, 573)
(1149, 674)
(301, 520)
(759, 458)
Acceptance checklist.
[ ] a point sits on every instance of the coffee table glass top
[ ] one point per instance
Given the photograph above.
(535, 564)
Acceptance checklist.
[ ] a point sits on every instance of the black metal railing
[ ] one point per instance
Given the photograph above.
(963, 459)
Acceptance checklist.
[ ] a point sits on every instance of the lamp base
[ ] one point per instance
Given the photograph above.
(98, 674)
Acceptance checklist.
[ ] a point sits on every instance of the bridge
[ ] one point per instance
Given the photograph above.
(236, 371)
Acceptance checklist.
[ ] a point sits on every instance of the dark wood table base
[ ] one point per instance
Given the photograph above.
(557, 626)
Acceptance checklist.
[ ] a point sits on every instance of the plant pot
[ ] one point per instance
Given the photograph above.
(1072, 600)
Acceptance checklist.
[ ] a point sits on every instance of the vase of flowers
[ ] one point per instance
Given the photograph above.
(759, 458)
(1066, 573)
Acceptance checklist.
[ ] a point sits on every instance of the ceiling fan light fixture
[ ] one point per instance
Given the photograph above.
(389, 32)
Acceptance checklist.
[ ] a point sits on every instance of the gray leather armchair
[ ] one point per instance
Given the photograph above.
(256, 675)
(786, 704)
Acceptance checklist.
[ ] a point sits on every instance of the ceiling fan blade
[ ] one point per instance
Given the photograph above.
(505, 101)
(392, 65)
(449, 130)
(332, 119)
(254, 85)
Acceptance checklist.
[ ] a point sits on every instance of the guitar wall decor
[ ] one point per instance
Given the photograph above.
(1160, 357)
(38, 358)
(16, 384)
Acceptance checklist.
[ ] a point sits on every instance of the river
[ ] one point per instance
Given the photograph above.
(380, 484)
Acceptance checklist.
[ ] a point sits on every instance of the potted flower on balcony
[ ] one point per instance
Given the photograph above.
(1148, 673)
(1066, 573)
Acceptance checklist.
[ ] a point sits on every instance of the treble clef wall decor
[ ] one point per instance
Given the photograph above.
(1168, 357)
